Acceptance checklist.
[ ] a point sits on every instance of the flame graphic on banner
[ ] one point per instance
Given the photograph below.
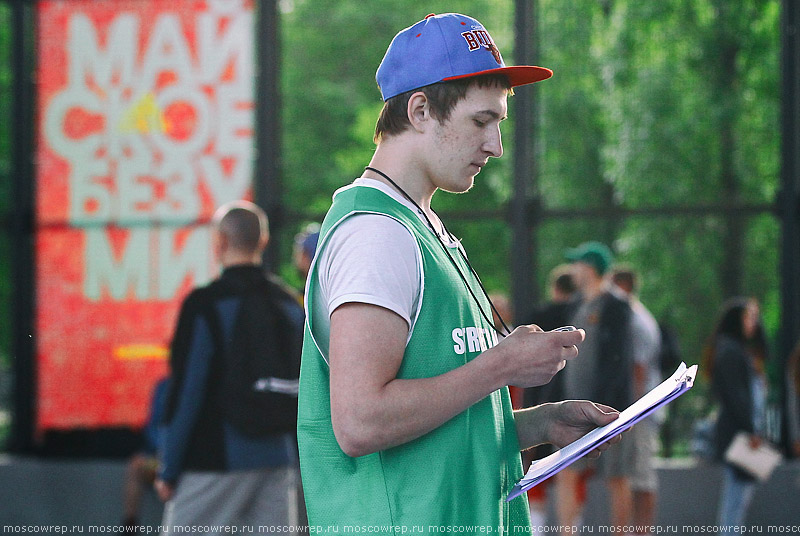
(144, 116)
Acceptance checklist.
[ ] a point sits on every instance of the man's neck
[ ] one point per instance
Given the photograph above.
(594, 289)
(229, 261)
(391, 158)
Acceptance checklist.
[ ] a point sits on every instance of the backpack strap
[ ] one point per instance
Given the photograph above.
(216, 292)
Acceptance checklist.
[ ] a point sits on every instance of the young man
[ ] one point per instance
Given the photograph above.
(405, 422)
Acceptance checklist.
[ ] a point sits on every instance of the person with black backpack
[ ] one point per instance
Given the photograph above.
(604, 374)
(229, 456)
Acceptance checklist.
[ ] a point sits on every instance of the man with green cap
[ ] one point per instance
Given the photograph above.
(604, 373)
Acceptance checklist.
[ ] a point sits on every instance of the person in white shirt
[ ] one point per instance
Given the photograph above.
(646, 342)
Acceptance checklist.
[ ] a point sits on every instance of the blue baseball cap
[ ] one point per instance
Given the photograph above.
(446, 47)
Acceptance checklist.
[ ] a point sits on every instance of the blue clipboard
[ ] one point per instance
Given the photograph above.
(670, 389)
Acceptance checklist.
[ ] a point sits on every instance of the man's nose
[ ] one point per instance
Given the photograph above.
(494, 143)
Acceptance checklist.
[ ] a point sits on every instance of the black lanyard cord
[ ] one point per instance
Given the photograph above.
(452, 260)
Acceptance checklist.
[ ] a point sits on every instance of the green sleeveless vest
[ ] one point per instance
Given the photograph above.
(454, 478)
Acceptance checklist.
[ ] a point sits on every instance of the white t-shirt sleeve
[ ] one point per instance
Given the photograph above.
(371, 259)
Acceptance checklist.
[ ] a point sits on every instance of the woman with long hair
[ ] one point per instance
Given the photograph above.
(793, 397)
(735, 360)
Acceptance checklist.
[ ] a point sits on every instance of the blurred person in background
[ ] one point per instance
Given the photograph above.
(502, 309)
(140, 473)
(551, 314)
(793, 400)
(554, 312)
(503, 313)
(604, 373)
(215, 470)
(735, 359)
(305, 246)
(646, 343)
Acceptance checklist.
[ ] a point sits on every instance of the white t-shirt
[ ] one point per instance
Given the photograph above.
(646, 341)
(373, 259)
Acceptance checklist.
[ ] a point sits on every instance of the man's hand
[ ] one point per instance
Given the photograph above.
(561, 423)
(164, 489)
(572, 419)
(531, 357)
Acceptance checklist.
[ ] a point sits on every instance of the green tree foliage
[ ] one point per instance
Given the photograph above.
(331, 50)
(682, 127)
(669, 104)
(652, 105)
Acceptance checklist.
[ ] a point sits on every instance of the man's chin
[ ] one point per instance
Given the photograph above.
(460, 188)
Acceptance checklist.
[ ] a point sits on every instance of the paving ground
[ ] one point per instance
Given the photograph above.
(87, 494)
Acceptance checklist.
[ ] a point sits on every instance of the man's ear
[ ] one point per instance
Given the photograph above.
(220, 245)
(419, 112)
(263, 242)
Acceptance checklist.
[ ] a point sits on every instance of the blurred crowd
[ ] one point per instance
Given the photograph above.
(627, 352)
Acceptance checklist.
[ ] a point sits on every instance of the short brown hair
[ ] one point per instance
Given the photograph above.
(442, 96)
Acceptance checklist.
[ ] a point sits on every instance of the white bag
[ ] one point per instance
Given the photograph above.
(759, 462)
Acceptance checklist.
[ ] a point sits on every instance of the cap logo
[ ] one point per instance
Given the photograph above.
(480, 38)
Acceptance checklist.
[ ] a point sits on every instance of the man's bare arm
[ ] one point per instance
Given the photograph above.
(371, 409)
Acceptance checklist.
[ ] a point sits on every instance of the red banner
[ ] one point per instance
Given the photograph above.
(145, 114)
